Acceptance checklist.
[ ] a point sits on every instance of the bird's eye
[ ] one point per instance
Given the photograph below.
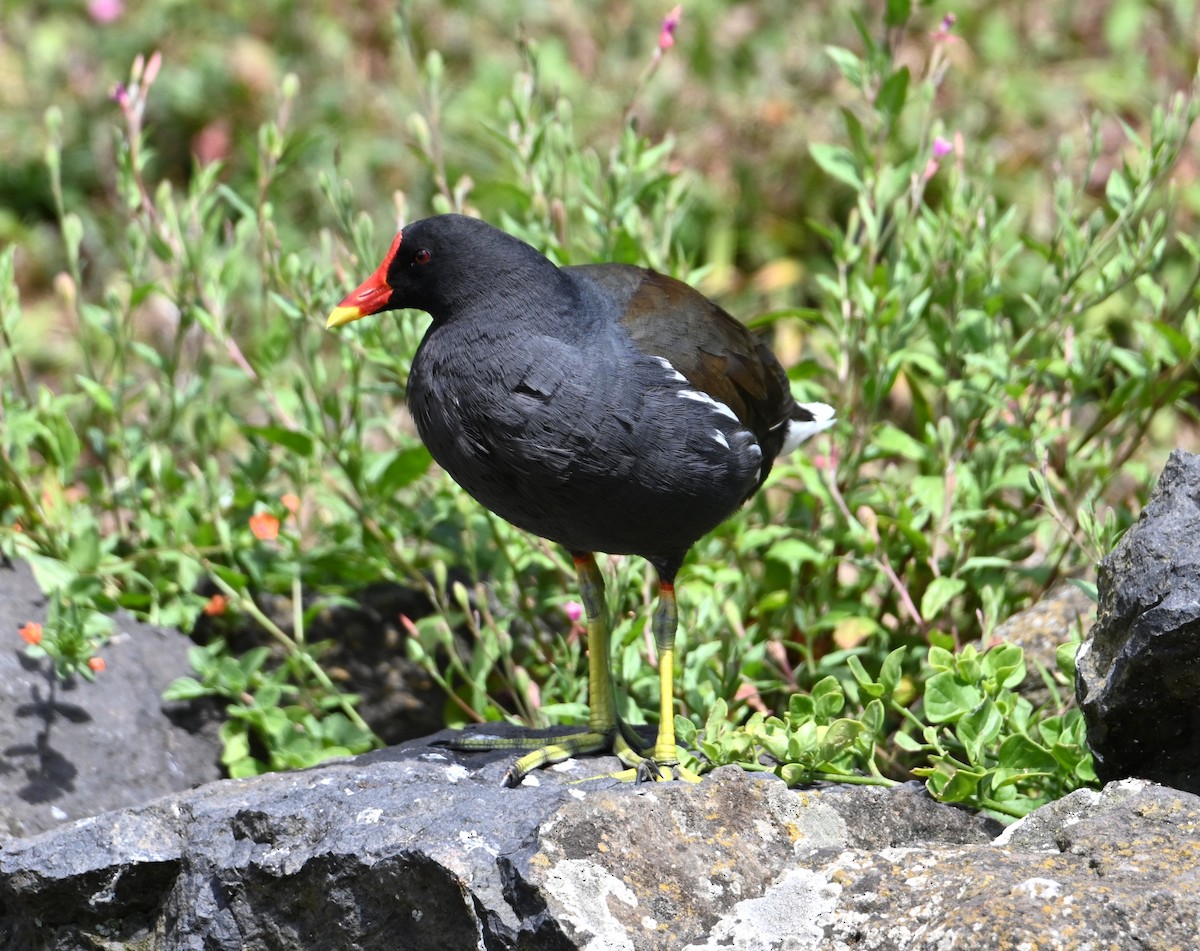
(423, 256)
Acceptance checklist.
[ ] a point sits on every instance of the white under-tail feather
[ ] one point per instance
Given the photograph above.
(799, 430)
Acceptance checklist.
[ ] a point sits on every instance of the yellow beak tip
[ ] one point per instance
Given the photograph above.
(342, 315)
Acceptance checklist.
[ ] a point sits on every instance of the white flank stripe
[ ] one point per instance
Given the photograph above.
(674, 374)
(715, 404)
(720, 437)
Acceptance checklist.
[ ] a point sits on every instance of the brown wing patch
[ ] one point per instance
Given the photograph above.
(713, 350)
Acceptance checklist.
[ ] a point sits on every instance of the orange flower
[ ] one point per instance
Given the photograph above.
(291, 502)
(31, 633)
(265, 526)
(96, 664)
(216, 605)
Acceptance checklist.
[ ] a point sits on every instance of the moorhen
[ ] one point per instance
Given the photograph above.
(605, 407)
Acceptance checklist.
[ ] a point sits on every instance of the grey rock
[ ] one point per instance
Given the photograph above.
(420, 847)
(1138, 676)
(75, 749)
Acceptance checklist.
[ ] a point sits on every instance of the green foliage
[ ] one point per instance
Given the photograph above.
(986, 745)
(994, 341)
(1010, 345)
(268, 729)
(69, 638)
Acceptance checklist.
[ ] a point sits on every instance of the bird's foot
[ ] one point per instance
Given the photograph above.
(623, 741)
(649, 771)
(540, 750)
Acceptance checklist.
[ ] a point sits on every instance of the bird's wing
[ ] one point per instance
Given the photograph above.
(714, 352)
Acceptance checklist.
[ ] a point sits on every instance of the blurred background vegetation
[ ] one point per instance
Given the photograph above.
(743, 93)
(966, 226)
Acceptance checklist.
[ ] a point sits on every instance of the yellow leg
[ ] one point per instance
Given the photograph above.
(606, 732)
(602, 699)
(666, 620)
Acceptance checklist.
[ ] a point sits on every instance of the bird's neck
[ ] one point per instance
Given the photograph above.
(511, 292)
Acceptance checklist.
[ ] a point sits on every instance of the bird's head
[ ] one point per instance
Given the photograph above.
(439, 265)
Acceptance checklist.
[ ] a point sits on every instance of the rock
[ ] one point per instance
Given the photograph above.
(1138, 676)
(75, 749)
(420, 847)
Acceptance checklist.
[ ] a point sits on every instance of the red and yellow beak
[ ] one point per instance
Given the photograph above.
(370, 297)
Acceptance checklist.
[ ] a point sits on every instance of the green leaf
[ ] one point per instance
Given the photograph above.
(1065, 657)
(301, 444)
(97, 393)
(941, 591)
(72, 234)
(84, 555)
(403, 468)
(838, 162)
(793, 553)
(801, 707)
(873, 719)
(890, 441)
(848, 64)
(892, 94)
(235, 742)
(185, 688)
(889, 673)
(865, 683)
(898, 12)
(907, 743)
(940, 659)
(979, 729)
(947, 698)
(1117, 190)
(1019, 752)
(857, 136)
(828, 696)
(231, 576)
(236, 202)
(837, 738)
(1005, 663)
(1149, 287)
(960, 787)
(51, 574)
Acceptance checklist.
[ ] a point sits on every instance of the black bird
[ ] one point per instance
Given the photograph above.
(605, 407)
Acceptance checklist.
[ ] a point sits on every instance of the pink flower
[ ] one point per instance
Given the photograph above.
(942, 33)
(152, 67)
(574, 611)
(666, 38)
(105, 11)
(941, 148)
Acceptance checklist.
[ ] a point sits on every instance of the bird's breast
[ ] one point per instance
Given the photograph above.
(586, 446)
